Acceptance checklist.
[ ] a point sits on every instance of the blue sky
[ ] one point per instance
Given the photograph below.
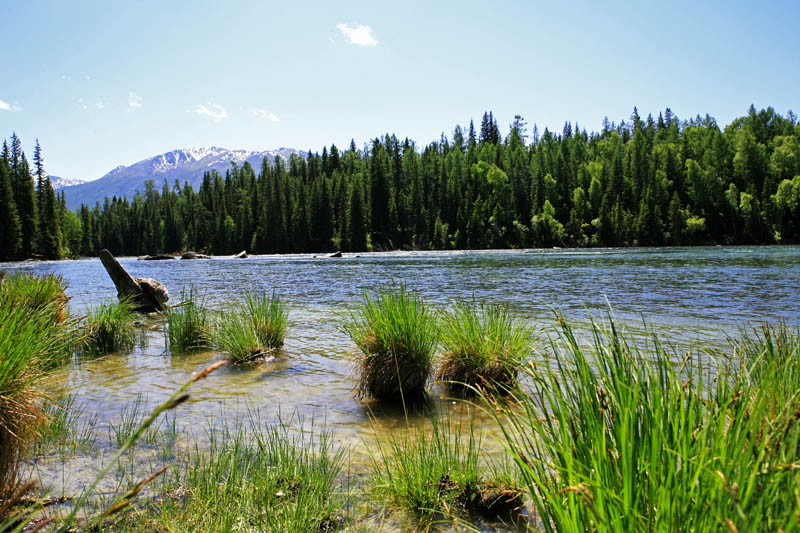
(109, 83)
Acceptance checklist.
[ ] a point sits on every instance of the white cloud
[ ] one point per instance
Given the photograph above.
(4, 106)
(65, 77)
(358, 34)
(215, 111)
(263, 113)
(99, 104)
(83, 104)
(134, 101)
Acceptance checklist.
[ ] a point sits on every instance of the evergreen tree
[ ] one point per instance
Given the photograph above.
(10, 234)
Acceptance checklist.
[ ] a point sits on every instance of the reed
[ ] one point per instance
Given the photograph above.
(253, 329)
(483, 346)
(109, 329)
(626, 435)
(189, 325)
(397, 335)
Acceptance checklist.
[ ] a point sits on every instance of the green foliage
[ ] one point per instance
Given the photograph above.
(33, 338)
(397, 335)
(265, 479)
(491, 193)
(109, 329)
(484, 346)
(624, 435)
(9, 219)
(254, 328)
(189, 326)
(434, 472)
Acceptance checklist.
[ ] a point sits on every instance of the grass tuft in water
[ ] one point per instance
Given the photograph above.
(623, 434)
(110, 329)
(484, 346)
(253, 329)
(397, 335)
(260, 479)
(189, 324)
(433, 473)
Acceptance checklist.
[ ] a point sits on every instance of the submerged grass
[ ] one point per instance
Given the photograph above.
(254, 328)
(259, 479)
(109, 329)
(433, 472)
(189, 324)
(397, 335)
(484, 346)
(624, 436)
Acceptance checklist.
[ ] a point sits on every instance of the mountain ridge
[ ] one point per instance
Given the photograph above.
(187, 165)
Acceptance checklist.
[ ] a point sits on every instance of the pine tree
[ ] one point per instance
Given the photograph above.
(25, 199)
(49, 230)
(9, 221)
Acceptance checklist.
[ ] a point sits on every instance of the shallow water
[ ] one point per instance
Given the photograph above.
(686, 294)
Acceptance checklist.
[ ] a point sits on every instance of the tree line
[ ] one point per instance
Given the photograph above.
(34, 220)
(644, 182)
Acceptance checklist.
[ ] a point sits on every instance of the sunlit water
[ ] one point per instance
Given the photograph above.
(686, 294)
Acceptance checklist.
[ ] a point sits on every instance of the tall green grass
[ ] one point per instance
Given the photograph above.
(258, 479)
(189, 325)
(110, 328)
(628, 436)
(33, 339)
(397, 335)
(46, 293)
(254, 328)
(483, 346)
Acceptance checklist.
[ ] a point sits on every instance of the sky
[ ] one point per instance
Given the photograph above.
(102, 84)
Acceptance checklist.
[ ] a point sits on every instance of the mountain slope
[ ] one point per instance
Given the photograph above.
(186, 165)
(59, 183)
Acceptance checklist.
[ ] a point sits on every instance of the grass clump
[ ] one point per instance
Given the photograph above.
(434, 473)
(263, 479)
(397, 335)
(484, 346)
(628, 436)
(46, 293)
(110, 328)
(189, 324)
(34, 338)
(254, 329)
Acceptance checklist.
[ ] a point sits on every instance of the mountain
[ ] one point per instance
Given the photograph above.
(59, 183)
(186, 165)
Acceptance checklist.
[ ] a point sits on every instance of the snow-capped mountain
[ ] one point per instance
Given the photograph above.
(59, 183)
(186, 165)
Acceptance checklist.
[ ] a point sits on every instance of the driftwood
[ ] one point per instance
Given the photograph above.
(147, 295)
(156, 257)
(241, 255)
(335, 254)
(195, 255)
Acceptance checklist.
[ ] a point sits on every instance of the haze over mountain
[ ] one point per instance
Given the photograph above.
(184, 165)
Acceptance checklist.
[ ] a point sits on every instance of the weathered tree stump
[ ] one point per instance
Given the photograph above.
(147, 295)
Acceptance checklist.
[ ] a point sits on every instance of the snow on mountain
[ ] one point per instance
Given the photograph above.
(185, 165)
(59, 183)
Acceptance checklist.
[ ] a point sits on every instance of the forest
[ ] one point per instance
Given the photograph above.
(642, 182)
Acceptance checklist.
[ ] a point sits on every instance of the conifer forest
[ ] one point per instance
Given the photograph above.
(659, 181)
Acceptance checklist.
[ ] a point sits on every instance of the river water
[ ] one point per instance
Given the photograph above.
(686, 294)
